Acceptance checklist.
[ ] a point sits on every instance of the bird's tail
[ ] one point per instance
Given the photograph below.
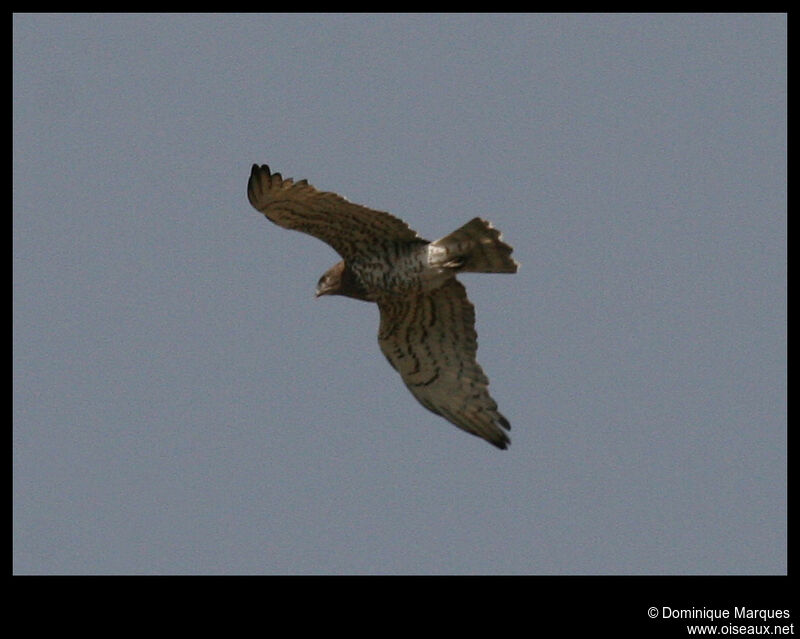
(475, 247)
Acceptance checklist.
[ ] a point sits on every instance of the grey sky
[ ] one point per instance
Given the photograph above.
(183, 405)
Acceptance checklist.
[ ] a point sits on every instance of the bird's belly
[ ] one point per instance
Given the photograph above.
(403, 273)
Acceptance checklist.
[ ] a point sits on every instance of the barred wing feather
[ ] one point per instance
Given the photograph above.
(351, 229)
(430, 340)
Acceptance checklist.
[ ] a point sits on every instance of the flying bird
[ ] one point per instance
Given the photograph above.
(427, 323)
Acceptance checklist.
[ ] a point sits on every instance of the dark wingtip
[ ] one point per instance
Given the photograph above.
(253, 182)
(257, 170)
(261, 178)
(501, 442)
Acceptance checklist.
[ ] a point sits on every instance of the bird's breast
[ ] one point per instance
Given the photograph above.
(402, 269)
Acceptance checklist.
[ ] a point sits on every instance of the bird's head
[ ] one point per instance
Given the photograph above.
(340, 280)
(331, 282)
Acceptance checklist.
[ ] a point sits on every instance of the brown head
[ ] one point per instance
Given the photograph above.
(340, 280)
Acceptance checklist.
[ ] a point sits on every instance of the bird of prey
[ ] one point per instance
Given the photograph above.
(427, 324)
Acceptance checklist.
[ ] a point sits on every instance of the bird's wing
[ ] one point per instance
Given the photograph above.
(352, 230)
(430, 340)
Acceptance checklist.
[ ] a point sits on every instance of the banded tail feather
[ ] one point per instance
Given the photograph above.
(476, 247)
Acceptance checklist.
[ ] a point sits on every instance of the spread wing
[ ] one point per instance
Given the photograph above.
(430, 340)
(352, 230)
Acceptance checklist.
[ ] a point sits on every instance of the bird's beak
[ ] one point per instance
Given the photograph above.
(326, 288)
